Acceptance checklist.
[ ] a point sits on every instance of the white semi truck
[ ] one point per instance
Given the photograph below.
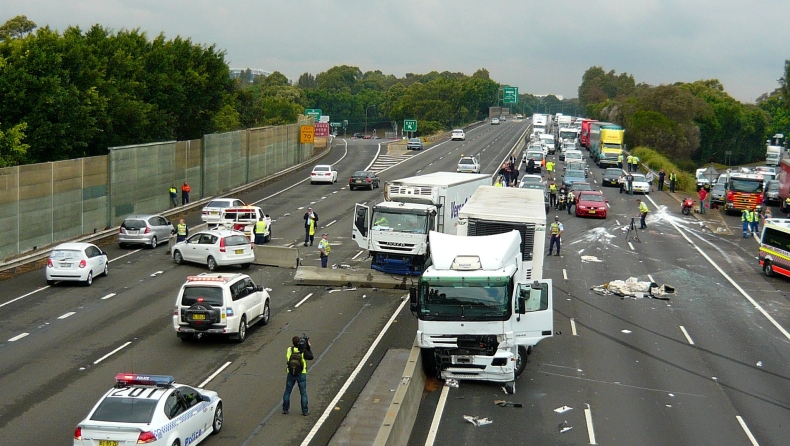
(539, 124)
(774, 147)
(395, 232)
(483, 304)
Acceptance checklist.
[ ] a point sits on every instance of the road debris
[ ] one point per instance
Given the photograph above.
(503, 403)
(635, 289)
(586, 259)
(563, 409)
(477, 421)
(564, 427)
(450, 382)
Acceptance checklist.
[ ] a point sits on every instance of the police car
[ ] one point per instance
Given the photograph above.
(153, 410)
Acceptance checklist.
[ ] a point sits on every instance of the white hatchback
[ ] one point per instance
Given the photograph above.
(79, 262)
(215, 247)
(323, 173)
(458, 135)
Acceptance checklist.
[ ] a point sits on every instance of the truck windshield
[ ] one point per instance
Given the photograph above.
(386, 220)
(485, 300)
(748, 186)
(567, 135)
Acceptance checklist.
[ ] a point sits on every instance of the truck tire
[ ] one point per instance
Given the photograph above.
(521, 360)
(429, 365)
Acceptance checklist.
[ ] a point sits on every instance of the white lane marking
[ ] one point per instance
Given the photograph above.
(358, 254)
(564, 274)
(300, 182)
(213, 375)
(23, 296)
(632, 246)
(590, 430)
(437, 416)
(302, 301)
(18, 337)
(156, 273)
(64, 316)
(111, 353)
(108, 296)
(746, 429)
(330, 223)
(573, 327)
(362, 363)
(729, 279)
(650, 277)
(127, 254)
(686, 334)
(617, 222)
(375, 158)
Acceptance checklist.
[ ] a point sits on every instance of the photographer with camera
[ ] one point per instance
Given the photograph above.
(296, 358)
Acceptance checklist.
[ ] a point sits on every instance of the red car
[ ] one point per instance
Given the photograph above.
(591, 203)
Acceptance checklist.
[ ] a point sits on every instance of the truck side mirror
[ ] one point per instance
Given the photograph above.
(413, 299)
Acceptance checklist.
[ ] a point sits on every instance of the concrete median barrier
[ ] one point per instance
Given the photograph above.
(363, 278)
(281, 256)
(399, 421)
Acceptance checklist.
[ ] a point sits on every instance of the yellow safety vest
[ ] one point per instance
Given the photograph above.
(260, 227)
(312, 226)
(630, 158)
(635, 160)
(173, 190)
(747, 216)
(620, 159)
(643, 208)
(288, 358)
(555, 229)
(182, 229)
(672, 177)
(553, 188)
(550, 166)
(325, 245)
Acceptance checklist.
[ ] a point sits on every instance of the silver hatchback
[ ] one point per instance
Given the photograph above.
(147, 230)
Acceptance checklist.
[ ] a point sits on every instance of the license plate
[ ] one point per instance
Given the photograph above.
(132, 232)
(239, 251)
(198, 317)
(214, 213)
(65, 265)
(359, 181)
(463, 359)
(592, 211)
(108, 443)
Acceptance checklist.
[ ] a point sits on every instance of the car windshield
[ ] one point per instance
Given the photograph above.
(590, 197)
(414, 140)
(387, 220)
(473, 299)
(133, 224)
(125, 410)
(218, 204)
(536, 180)
(573, 155)
(321, 169)
(466, 161)
(567, 135)
(360, 173)
(638, 177)
(458, 131)
(581, 186)
(773, 186)
(65, 254)
(211, 295)
(574, 173)
(532, 185)
(538, 156)
(613, 172)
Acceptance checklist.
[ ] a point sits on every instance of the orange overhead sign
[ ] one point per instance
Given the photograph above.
(306, 134)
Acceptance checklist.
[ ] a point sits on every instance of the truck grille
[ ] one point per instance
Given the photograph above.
(527, 231)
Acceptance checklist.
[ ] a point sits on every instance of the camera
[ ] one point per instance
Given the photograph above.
(303, 344)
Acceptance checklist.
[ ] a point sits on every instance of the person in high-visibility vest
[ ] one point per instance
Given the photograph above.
(746, 219)
(182, 231)
(620, 160)
(552, 193)
(310, 222)
(628, 162)
(643, 210)
(260, 231)
(550, 168)
(173, 195)
(634, 163)
(756, 220)
(673, 178)
(323, 250)
(555, 232)
(787, 206)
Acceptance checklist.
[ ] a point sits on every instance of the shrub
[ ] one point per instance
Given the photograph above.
(657, 161)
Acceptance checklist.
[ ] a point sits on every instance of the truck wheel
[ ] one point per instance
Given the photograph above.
(429, 365)
(521, 360)
(768, 269)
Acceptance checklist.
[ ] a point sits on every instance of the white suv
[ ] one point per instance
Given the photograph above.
(212, 211)
(223, 304)
(215, 247)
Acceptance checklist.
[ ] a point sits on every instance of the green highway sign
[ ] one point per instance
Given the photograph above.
(314, 112)
(510, 95)
(335, 124)
(409, 125)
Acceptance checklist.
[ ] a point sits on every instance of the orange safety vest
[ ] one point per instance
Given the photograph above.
(186, 188)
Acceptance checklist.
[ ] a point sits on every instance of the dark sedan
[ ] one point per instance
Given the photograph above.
(611, 176)
(718, 194)
(772, 192)
(363, 178)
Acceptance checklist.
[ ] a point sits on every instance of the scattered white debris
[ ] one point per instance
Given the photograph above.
(586, 259)
(625, 331)
(451, 383)
(564, 427)
(632, 287)
(759, 363)
(477, 421)
(672, 395)
(563, 409)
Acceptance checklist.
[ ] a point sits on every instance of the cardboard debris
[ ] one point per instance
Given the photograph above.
(477, 421)
(634, 288)
(590, 259)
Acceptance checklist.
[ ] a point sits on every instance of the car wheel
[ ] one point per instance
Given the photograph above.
(153, 242)
(106, 271)
(211, 263)
(266, 314)
(246, 265)
(372, 186)
(242, 334)
(768, 269)
(176, 443)
(50, 282)
(521, 360)
(89, 280)
(179, 259)
(219, 417)
(312, 182)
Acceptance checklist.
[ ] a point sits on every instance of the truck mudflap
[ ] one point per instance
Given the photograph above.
(395, 264)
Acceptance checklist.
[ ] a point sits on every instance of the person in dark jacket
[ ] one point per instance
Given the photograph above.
(310, 225)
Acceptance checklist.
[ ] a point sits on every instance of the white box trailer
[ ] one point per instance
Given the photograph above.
(395, 231)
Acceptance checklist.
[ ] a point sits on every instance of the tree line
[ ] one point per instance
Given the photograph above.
(691, 123)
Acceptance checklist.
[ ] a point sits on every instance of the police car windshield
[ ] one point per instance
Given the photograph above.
(125, 410)
(211, 295)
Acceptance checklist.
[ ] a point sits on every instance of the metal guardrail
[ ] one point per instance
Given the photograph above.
(37, 258)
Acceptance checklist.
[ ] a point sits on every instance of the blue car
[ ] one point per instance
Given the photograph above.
(573, 176)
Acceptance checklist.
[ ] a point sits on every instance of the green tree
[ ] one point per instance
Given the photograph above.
(12, 150)
(17, 27)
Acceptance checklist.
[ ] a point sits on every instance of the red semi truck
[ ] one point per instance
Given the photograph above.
(585, 134)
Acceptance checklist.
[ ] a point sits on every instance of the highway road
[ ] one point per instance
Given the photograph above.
(709, 366)
(62, 345)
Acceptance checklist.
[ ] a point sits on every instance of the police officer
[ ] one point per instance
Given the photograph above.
(323, 249)
(673, 178)
(552, 193)
(173, 195)
(182, 231)
(571, 200)
(746, 219)
(628, 161)
(555, 232)
(643, 210)
(620, 160)
(259, 230)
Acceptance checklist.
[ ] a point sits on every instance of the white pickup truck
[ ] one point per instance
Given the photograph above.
(244, 218)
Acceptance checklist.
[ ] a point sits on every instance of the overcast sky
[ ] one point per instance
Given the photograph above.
(542, 47)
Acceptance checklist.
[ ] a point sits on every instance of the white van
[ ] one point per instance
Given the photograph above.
(548, 141)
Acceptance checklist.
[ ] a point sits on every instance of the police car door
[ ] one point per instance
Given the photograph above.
(197, 421)
(533, 315)
(361, 225)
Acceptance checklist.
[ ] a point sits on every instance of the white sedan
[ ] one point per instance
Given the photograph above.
(640, 183)
(153, 410)
(214, 248)
(323, 173)
(458, 135)
(76, 262)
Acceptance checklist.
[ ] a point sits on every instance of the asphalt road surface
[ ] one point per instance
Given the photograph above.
(62, 345)
(709, 366)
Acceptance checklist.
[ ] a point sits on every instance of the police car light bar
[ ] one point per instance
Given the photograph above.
(129, 379)
(222, 279)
